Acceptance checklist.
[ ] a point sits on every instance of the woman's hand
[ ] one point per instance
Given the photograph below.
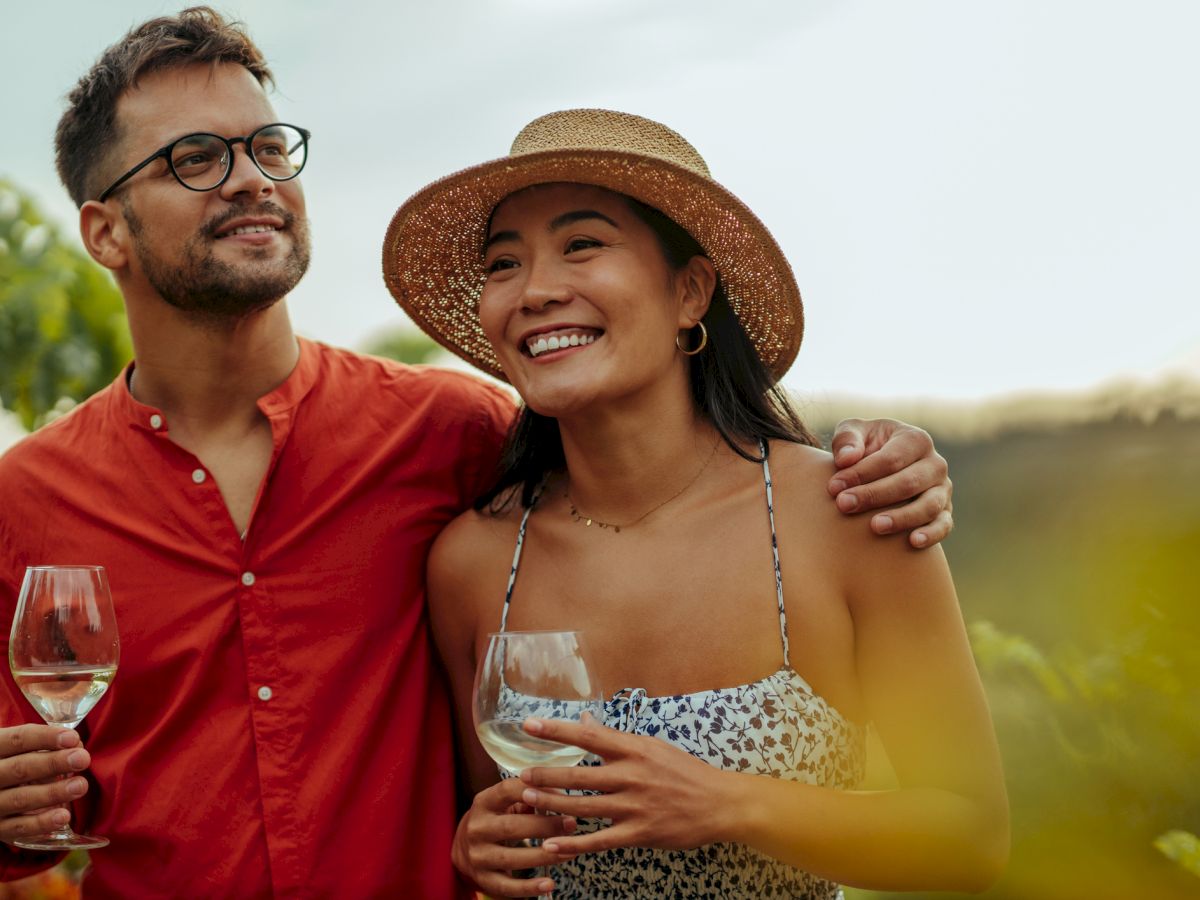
(881, 463)
(488, 844)
(655, 795)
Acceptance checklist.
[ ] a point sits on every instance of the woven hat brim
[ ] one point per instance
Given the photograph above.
(433, 249)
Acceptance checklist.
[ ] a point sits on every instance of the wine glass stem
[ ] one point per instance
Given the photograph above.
(66, 832)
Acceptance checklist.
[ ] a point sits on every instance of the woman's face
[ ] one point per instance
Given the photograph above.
(580, 304)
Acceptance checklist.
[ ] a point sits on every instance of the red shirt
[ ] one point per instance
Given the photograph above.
(277, 726)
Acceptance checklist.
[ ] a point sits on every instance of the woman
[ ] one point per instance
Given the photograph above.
(664, 499)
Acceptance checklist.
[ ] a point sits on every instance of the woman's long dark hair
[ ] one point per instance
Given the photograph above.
(730, 386)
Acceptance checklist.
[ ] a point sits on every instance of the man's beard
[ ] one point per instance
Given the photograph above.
(216, 293)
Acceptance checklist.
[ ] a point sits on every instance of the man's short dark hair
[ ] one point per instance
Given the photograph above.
(88, 133)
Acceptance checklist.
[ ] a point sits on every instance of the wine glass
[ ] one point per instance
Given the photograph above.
(533, 673)
(63, 653)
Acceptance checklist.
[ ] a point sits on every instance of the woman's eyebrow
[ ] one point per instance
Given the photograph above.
(578, 215)
(500, 236)
(567, 218)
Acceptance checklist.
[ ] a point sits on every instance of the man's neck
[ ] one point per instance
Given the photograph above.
(209, 376)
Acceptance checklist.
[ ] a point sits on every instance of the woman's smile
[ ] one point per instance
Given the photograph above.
(551, 342)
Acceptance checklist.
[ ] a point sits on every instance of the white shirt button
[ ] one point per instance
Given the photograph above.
(248, 579)
(199, 475)
(156, 421)
(264, 693)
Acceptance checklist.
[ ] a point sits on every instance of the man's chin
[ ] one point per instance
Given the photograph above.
(226, 315)
(221, 285)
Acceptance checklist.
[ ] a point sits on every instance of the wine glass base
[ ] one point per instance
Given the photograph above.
(70, 841)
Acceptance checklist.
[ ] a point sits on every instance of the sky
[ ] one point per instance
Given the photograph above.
(977, 198)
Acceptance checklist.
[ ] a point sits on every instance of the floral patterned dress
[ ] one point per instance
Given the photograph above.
(777, 727)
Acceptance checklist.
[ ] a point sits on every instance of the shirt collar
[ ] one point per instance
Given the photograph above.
(279, 401)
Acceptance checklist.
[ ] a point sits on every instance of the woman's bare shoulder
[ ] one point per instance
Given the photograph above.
(801, 477)
(474, 537)
(801, 474)
(469, 562)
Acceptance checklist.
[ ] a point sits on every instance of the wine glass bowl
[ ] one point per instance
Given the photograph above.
(63, 652)
(533, 673)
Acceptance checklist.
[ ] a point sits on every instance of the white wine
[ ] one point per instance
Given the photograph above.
(63, 695)
(515, 749)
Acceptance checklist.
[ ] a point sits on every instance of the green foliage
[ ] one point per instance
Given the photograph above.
(63, 334)
(1075, 562)
(1181, 846)
(406, 345)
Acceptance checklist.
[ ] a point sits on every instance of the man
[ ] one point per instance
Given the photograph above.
(264, 507)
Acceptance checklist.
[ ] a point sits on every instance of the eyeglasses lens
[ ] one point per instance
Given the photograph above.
(279, 151)
(200, 160)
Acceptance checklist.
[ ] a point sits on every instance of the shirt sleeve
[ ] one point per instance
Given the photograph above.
(495, 418)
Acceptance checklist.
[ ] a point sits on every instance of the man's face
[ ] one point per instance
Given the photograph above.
(217, 255)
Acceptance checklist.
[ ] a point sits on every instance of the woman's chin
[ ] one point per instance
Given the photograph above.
(559, 401)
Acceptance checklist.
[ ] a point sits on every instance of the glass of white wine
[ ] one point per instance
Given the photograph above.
(63, 653)
(533, 673)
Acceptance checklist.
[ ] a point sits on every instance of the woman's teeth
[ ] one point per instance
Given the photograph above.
(539, 344)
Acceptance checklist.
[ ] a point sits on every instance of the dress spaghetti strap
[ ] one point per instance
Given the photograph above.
(783, 634)
(516, 561)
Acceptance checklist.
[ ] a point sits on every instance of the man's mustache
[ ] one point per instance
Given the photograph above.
(265, 208)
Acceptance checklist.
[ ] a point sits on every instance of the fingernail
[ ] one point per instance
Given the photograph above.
(77, 759)
(550, 845)
(847, 502)
(920, 539)
(837, 485)
(883, 523)
(534, 726)
(60, 817)
(76, 787)
(68, 739)
(530, 797)
(545, 886)
(845, 453)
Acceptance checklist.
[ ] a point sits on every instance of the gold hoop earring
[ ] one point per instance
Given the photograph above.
(700, 346)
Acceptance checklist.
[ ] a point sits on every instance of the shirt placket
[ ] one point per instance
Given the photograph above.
(273, 715)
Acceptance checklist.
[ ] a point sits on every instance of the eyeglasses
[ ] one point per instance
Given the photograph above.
(202, 161)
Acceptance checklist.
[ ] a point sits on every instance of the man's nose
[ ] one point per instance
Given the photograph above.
(245, 177)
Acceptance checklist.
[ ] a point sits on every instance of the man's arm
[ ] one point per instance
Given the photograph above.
(884, 463)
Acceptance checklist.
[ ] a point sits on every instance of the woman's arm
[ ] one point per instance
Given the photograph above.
(465, 585)
(947, 824)
(458, 578)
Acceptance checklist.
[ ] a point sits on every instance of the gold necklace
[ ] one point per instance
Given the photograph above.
(577, 516)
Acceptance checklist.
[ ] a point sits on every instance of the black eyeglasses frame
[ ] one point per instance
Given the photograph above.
(165, 153)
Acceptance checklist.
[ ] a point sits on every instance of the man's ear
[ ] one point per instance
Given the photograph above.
(697, 280)
(104, 232)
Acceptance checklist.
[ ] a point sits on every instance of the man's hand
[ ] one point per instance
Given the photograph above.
(29, 787)
(882, 463)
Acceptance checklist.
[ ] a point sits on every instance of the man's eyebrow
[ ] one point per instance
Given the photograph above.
(578, 215)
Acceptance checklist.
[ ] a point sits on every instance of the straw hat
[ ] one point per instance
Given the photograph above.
(433, 251)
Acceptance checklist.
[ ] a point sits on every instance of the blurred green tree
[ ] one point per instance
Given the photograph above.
(404, 344)
(63, 333)
(1181, 846)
